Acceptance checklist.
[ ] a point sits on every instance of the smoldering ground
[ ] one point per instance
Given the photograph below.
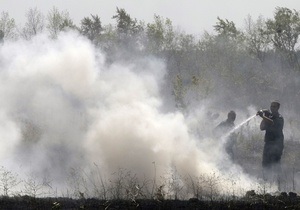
(62, 108)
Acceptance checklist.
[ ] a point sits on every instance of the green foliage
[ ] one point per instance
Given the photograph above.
(91, 27)
(7, 26)
(126, 26)
(284, 30)
(108, 40)
(226, 28)
(58, 21)
(129, 33)
(67, 24)
(179, 92)
(155, 35)
(161, 38)
(257, 38)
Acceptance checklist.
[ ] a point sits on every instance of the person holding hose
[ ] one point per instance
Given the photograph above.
(272, 123)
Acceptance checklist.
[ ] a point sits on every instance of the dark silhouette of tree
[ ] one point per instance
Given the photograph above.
(126, 26)
(91, 27)
(226, 28)
(128, 31)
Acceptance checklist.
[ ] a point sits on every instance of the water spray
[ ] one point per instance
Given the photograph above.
(238, 126)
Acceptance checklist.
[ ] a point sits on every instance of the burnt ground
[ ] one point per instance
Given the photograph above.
(250, 201)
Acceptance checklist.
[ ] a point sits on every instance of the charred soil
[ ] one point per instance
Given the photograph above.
(249, 201)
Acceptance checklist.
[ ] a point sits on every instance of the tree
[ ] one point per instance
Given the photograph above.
(34, 24)
(68, 24)
(257, 38)
(34, 187)
(155, 34)
(126, 26)
(58, 21)
(284, 30)
(226, 28)
(91, 27)
(161, 35)
(128, 30)
(228, 37)
(7, 26)
(108, 40)
(8, 180)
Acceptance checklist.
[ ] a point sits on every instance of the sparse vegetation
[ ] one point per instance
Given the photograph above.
(235, 66)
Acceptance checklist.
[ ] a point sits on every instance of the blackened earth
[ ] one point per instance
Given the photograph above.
(249, 201)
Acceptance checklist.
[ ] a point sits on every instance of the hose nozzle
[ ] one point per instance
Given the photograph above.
(264, 112)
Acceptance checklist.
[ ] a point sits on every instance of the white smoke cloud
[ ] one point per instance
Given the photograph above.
(62, 107)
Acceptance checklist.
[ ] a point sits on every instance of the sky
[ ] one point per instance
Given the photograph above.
(192, 16)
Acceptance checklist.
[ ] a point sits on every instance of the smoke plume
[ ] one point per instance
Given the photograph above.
(62, 107)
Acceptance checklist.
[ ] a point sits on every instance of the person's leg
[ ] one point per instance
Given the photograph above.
(278, 171)
(273, 160)
(266, 163)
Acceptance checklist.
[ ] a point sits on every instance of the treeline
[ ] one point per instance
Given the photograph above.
(232, 67)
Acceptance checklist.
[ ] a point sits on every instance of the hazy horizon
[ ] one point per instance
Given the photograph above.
(191, 16)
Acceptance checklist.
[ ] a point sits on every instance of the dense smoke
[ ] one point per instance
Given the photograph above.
(63, 108)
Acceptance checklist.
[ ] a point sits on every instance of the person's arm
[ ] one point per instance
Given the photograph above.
(266, 121)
